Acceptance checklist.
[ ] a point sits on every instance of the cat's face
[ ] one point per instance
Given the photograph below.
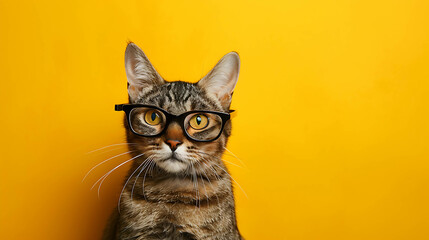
(173, 151)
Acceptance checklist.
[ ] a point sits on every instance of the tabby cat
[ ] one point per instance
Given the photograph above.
(178, 186)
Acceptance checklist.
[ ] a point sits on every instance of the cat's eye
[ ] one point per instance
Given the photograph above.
(203, 126)
(146, 120)
(199, 121)
(152, 117)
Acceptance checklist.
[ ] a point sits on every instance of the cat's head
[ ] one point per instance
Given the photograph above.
(174, 149)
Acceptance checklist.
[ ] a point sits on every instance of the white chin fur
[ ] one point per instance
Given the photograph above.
(172, 166)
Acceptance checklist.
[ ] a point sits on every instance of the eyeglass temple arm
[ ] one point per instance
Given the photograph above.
(119, 107)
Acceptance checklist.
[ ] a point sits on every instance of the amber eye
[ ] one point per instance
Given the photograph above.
(199, 122)
(152, 117)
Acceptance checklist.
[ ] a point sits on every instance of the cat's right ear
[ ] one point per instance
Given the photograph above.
(141, 74)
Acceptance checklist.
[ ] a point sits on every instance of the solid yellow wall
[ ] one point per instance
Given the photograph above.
(332, 103)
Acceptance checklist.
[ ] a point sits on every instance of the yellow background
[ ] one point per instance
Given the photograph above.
(332, 103)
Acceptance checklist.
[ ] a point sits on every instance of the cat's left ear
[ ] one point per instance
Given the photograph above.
(221, 80)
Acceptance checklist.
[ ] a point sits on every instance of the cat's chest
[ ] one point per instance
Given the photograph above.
(175, 213)
(170, 220)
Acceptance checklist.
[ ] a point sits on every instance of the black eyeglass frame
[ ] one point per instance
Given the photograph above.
(180, 119)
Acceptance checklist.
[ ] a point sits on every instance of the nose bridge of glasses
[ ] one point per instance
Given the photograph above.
(174, 132)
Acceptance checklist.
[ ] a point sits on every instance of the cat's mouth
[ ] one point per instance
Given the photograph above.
(172, 164)
(173, 158)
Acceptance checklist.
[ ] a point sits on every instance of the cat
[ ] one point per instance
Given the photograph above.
(178, 186)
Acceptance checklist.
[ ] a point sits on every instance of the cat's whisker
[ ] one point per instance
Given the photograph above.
(128, 179)
(198, 190)
(204, 185)
(144, 177)
(126, 183)
(232, 163)
(205, 190)
(194, 183)
(201, 152)
(116, 144)
(108, 150)
(213, 170)
(217, 197)
(235, 156)
(104, 162)
(233, 180)
(152, 166)
(230, 155)
(146, 164)
(205, 159)
(107, 174)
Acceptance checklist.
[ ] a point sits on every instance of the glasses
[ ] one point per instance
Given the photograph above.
(151, 121)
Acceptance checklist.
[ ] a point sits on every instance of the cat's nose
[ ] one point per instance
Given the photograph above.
(173, 144)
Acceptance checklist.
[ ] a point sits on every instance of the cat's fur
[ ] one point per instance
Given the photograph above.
(167, 200)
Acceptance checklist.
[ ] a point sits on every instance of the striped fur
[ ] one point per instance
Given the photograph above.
(163, 199)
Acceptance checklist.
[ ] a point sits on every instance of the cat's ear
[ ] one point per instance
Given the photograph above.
(221, 80)
(141, 74)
